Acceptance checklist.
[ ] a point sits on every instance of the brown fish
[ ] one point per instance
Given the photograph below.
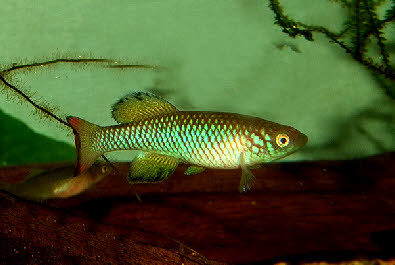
(58, 182)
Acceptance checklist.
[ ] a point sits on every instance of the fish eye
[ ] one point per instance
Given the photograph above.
(282, 140)
(104, 169)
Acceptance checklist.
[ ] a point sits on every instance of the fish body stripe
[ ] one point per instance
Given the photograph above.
(208, 139)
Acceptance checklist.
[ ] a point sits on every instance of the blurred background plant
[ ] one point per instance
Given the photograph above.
(361, 36)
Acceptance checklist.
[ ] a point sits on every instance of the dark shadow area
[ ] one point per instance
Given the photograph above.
(20, 145)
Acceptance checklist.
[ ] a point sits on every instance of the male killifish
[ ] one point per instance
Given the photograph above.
(57, 183)
(169, 136)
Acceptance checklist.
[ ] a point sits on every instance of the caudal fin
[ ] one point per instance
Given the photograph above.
(84, 133)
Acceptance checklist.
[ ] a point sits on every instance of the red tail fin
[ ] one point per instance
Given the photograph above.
(84, 138)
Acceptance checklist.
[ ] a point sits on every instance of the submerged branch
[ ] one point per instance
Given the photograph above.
(43, 110)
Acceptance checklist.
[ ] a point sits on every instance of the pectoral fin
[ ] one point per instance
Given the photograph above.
(151, 167)
(193, 170)
(247, 178)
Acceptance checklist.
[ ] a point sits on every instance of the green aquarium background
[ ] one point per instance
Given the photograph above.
(269, 59)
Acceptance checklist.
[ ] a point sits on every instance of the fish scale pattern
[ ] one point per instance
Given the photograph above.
(213, 140)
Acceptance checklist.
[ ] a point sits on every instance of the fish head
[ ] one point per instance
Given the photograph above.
(98, 171)
(280, 141)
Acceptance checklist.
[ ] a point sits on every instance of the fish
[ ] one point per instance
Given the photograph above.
(57, 183)
(168, 136)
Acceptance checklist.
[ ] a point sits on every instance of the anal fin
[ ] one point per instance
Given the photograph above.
(151, 167)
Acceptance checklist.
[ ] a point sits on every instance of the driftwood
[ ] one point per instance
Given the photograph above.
(323, 210)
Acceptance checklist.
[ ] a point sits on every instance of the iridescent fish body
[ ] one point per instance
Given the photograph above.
(57, 183)
(169, 136)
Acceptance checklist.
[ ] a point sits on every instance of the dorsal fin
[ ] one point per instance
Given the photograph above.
(140, 105)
